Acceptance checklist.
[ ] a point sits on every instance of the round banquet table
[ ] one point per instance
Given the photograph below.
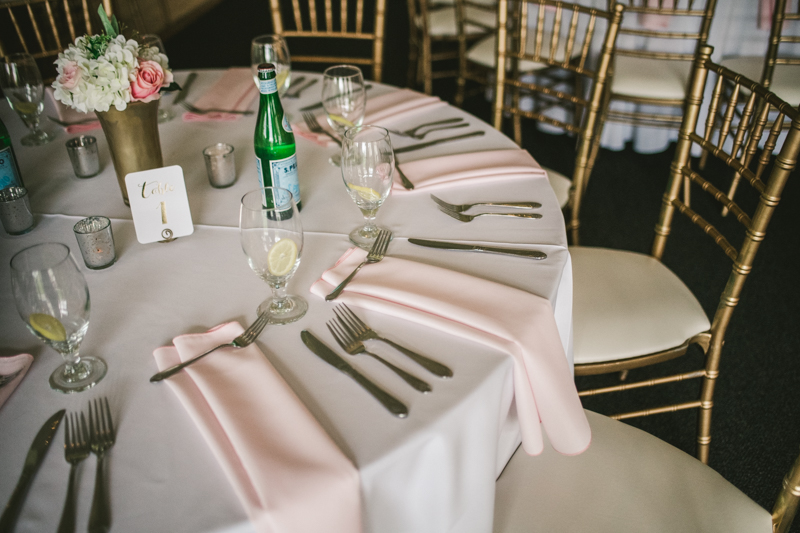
(432, 472)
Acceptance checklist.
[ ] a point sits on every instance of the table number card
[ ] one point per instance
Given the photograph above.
(159, 204)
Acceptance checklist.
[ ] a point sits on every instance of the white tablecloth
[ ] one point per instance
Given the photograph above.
(432, 472)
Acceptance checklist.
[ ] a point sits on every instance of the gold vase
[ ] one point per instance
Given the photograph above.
(133, 139)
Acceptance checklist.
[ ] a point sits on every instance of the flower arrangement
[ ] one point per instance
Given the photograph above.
(99, 71)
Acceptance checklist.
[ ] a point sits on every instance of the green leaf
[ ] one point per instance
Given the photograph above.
(110, 29)
(115, 24)
(171, 87)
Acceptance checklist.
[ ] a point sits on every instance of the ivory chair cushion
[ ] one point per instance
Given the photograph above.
(627, 481)
(482, 53)
(785, 79)
(638, 76)
(627, 304)
(442, 23)
(560, 184)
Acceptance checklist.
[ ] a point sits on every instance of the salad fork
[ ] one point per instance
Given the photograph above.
(463, 217)
(103, 438)
(460, 208)
(76, 449)
(376, 253)
(314, 126)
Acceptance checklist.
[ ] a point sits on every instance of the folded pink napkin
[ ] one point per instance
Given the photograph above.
(11, 365)
(381, 111)
(235, 90)
(287, 472)
(461, 169)
(514, 321)
(67, 114)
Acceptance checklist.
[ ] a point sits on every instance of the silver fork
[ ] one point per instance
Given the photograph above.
(103, 438)
(363, 332)
(76, 449)
(298, 89)
(311, 123)
(197, 111)
(376, 253)
(468, 218)
(460, 208)
(245, 339)
(354, 347)
(8, 378)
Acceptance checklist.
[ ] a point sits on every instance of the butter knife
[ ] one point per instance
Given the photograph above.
(420, 146)
(533, 254)
(33, 461)
(185, 89)
(395, 406)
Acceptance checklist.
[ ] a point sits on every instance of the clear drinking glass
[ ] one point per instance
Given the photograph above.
(367, 168)
(22, 85)
(344, 97)
(53, 300)
(165, 111)
(272, 239)
(272, 49)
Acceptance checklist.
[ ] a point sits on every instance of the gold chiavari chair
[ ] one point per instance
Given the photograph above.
(476, 24)
(565, 37)
(629, 309)
(356, 26)
(433, 42)
(43, 28)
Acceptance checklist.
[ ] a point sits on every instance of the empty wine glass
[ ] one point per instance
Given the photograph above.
(272, 238)
(272, 49)
(153, 41)
(367, 168)
(22, 85)
(344, 97)
(53, 300)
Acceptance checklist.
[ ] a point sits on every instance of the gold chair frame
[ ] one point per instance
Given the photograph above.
(421, 46)
(467, 12)
(309, 21)
(753, 129)
(559, 53)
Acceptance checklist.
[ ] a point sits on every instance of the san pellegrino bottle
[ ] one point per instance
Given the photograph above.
(9, 170)
(276, 157)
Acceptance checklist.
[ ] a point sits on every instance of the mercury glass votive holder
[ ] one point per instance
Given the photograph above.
(83, 155)
(15, 210)
(220, 165)
(96, 242)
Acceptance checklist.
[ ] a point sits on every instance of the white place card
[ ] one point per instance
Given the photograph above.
(159, 204)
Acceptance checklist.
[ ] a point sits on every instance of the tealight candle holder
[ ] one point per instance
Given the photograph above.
(96, 242)
(15, 210)
(220, 165)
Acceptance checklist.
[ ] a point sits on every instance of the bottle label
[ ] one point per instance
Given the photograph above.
(282, 173)
(8, 170)
(286, 126)
(268, 86)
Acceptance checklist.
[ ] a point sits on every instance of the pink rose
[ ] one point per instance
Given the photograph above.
(147, 80)
(70, 75)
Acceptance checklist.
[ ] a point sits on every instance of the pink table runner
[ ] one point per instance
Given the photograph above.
(235, 91)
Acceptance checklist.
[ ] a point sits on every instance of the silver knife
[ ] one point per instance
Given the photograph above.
(185, 89)
(420, 146)
(533, 254)
(395, 406)
(33, 460)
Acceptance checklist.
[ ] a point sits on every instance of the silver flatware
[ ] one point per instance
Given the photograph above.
(103, 437)
(8, 378)
(420, 146)
(404, 179)
(72, 123)
(295, 93)
(533, 254)
(185, 89)
(376, 253)
(314, 126)
(395, 406)
(76, 448)
(245, 339)
(34, 459)
(353, 346)
(460, 208)
(463, 217)
(363, 332)
(197, 111)
(447, 124)
(296, 82)
(320, 105)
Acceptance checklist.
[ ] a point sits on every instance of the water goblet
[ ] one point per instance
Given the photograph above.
(344, 99)
(53, 300)
(272, 238)
(367, 169)
(272, 49)
(156, 47)
(22, 85)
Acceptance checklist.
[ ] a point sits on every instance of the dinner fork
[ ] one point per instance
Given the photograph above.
(363, 332)
(311, 123)
(8, 378)
(298, 88)
(76, 449)
(460, 208)
(197, 111)
(463, 217)
(354, 347)
(103, 438)
(376, 253)
(245, 339)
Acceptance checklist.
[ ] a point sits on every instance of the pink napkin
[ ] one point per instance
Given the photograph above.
(381, 111)
(9, 365)
(765, 9)
(235, 90)
(287, 472)
(496, 315)
(656, 22)
(67, 114)
(461, 169)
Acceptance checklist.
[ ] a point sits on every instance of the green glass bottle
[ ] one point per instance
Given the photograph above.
(276, 157)
(9, 169)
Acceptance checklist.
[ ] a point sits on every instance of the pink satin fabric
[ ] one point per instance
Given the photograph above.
(656, 22)
(765, 9)
(508, 319)
(461, 169)
(287, 472)
(9, 365)
(235, 90)
(67, 114)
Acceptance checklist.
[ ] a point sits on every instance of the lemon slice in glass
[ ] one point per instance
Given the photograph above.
(367, 193)
(341, 120)
(48, 327)
(281, 257)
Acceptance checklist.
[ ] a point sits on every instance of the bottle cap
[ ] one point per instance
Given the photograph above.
(266, 67)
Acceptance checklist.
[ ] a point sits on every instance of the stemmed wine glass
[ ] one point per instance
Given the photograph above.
(367, 168)
(22, 85)
(165, 110)
(53, 300)
(272, 239)
(272, 49)
(344, 99)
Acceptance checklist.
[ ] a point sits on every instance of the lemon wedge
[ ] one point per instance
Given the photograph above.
(281, 257)
(367, 193)
(48, 327)
(341, 120)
